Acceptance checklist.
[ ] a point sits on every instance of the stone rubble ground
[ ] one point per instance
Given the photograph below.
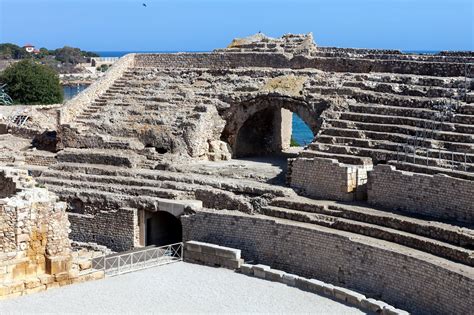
(177, 288)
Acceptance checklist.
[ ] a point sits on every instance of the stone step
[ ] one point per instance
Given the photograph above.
(398, 146)
(399, 129)
(422, 113)
(425, 244)
(402, 139)
(379, 155)
(53, 182)
(419, 168)
(403, 89)
(427, 227)
(407, 121)
(238, 186)
(342, 158)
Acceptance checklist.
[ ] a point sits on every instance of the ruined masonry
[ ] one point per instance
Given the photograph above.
(196, 146)
(35, 250)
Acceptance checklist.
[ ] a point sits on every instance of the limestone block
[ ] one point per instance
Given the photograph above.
(46, 279)
(193, 246)
(373, 305)
(52, 285)
(274, 275)
(289, 279)
(58, 264)
(228, 252)
(246, 269)
(232, 263)
(32, 283)
(84, 265)
(260, 270)
(349, 296)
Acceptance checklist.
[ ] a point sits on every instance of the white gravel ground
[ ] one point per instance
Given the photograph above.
(176, 288)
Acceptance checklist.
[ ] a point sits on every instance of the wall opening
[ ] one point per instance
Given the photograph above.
(271, 131)
(301, 134)
(162, 228)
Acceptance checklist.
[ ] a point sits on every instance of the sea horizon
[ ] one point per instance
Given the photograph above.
(121, 53)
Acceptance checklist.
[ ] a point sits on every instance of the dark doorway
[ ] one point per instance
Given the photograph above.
(163, 228)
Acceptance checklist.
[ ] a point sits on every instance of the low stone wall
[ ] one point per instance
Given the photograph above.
(378, 269)
(76, 105)
(277, 60)
(319, 287)
(35, 251)
(212, 255)
(437, 196)
(328, 179)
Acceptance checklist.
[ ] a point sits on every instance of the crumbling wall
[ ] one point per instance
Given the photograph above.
(328, 179)
(437, 196)
(35, 231)
(374, 268)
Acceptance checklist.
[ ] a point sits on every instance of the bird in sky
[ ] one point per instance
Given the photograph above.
(144, 4)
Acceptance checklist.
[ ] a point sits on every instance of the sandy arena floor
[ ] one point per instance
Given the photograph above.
(176, 288)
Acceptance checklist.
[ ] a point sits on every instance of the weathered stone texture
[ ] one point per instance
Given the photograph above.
(436, 196)
(417, 282)
(327, 178)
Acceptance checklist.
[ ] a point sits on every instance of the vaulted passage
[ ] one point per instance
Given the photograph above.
(163, 228)
(271, 131)
(264, 126)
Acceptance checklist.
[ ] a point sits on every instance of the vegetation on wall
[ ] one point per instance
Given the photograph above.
(31, 83)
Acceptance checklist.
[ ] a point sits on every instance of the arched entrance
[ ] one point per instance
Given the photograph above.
(162, 228)
(263, 125)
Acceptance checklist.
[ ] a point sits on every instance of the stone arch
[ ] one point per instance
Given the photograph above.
(163, 228)
(247, 113)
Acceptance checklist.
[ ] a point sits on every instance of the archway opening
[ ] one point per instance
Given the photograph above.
(271, 131)
(163, 228)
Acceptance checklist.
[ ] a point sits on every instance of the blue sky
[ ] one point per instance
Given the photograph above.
(201, 25)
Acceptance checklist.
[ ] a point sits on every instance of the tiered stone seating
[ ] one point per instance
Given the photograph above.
(444, 240)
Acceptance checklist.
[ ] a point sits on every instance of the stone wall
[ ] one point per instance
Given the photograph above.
(115, 229)
(437, 196)
(35, 250)
(76, 105)
(328, 179)
(277, 60)
(418, 282)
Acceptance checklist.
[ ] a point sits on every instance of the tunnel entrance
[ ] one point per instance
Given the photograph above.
(271, 131)
(162, 228)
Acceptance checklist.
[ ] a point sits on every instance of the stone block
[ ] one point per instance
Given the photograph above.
(61, 276)
(348, 296)
(274, 275)
(232, 263)
(316, 286)
(390, 310)
(228, 253)
(84, 265)
(57, 264)
(32, 283)
(246, 269)
(373, 305)
(46, 279)
(193, 246)
(289, 279)
(260, 270)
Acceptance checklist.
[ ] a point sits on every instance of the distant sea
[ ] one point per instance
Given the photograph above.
(123, 53)
(301, 132)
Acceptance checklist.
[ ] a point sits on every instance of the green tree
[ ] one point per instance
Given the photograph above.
(12, 51)
(32, 83)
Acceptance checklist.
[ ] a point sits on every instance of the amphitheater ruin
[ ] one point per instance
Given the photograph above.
(196, 147)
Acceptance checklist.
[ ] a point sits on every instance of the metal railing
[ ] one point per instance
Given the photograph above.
(434, 157)
(116, 264)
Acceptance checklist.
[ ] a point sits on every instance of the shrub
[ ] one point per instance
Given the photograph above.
(294, 143)
(32, 83)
